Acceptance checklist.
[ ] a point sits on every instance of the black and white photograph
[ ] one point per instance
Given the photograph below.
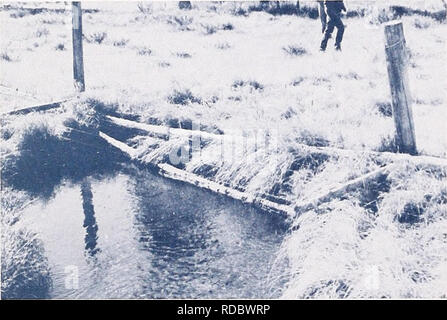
(211, 150)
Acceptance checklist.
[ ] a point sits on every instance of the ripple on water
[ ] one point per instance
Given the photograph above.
(137, 235)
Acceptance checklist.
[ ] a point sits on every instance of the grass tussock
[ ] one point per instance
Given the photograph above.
(181, 23)
(25, 270)
(144, 51)
(96, 37)
(60, 47)
(145, 8)
(223, 46)
(253, 85)
(295, 50)
(120, 43)
(183, 97)
(183, 55)
(42, 32)
(398, 251)
(6, 56)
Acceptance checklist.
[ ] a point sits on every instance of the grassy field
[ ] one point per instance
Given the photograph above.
(254, 73)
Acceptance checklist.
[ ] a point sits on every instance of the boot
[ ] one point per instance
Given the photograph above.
(323, 45)
(327, 36)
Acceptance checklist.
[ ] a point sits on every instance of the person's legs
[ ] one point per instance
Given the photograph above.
(323, 16)
(327, 34)
(340, 31)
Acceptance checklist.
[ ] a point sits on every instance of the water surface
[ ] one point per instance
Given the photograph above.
(132, 234)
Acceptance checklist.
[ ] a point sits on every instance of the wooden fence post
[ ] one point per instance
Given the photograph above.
(397, 63)
(78, 56)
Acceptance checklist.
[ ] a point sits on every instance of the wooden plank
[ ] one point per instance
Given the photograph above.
(131, 152)
(173, 173)
(43, 107)
(343, 189)
(163, 130)
(397, 61)
(78, 55)
(331, 151)
(419, 160)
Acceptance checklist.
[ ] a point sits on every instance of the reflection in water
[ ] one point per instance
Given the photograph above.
(44, 160)
(90, 225)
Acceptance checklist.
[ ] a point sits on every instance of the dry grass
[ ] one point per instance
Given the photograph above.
(264, 77)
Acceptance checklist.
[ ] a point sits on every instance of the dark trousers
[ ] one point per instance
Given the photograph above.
(334, 21)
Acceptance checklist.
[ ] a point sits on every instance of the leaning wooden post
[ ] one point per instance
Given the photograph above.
(78, 56)
(397, 62)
